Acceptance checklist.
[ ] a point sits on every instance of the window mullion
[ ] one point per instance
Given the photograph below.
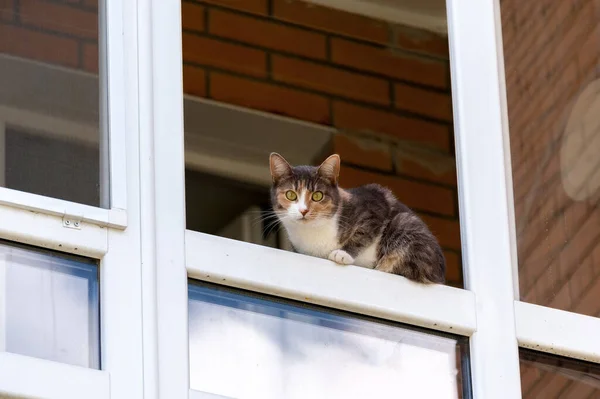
(474, 28)
(113, 143)
(162, 199)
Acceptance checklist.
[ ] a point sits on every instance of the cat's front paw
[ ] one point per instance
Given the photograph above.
(342, 257)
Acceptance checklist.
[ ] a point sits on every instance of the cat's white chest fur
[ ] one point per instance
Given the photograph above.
(316, 240)
(322, 239)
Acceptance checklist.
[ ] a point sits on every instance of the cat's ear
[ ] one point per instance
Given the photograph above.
(330, 168)
(280, 168)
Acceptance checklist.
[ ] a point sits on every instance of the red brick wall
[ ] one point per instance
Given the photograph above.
(552, 53)
(59, 32)
(385, 87)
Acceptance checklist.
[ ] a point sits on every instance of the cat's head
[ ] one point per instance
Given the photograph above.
(305, 194)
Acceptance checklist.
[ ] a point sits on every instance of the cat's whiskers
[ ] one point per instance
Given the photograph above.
(263, 219)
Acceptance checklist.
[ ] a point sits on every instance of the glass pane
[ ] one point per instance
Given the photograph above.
(552, 377)
(49, 306)
(307, 80)
(244, 346)
(50, 110)
(552, 58)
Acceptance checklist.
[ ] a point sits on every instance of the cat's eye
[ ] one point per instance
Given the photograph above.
(290, 195)
(317, 196)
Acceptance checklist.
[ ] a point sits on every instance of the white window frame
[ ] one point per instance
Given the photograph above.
(486, 311)
(111, 140)
(112, 236)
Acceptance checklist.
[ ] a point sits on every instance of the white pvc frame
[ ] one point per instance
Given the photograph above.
(112, 140)
(113, 236)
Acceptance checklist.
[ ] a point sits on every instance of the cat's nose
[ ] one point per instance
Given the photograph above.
(303, 212)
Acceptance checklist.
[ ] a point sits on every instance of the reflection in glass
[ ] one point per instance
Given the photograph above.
(545, 376)
(243, 346)
(49, 306)
(50, 109)
(552, 60)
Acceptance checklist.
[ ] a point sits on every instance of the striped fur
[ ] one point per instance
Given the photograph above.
(365, 226)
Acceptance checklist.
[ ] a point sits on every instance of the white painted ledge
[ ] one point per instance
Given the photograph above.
(320, 281)
(23, 376)
(557, 331)
(47, 231)
(115, 218)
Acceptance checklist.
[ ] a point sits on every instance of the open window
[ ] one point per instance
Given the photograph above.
(308, 80)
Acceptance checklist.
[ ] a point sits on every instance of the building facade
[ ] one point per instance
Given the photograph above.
(139, 258)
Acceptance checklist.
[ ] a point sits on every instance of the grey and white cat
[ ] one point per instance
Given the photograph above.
(365, 226)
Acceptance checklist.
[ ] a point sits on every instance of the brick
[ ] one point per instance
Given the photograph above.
(418, 196)
(551, 48)
(588, 303)
(555, 297)
(368, 120)
(558, 257)
(529, 376)
(211, 52)
(595, 257)
(38, 46)
(259, 7)
(192, 17)
(586, 237)
(7, 10)
(267, 34)
(194, 81)
(424, 102)
(421, 41)
(453, 268)
(270, 98)
(574, 216)
(532, 41)
(389, 61)
(331, 20)
(446, 231)
(548, 386)
(579, 280)
(330, 80)
(90, 58)
(579, 390)
(549, 99)
(411, 160)
(531, 23)
(59, 18)
(543, 250)
(363, 152)
(90, 3)
(588, 60)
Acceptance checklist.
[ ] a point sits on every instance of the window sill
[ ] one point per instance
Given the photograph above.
(113, 218)
(47, 230)
(24, 376)
(557, 331)
(319, 281)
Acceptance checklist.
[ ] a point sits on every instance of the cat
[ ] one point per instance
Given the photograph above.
(364, 226)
